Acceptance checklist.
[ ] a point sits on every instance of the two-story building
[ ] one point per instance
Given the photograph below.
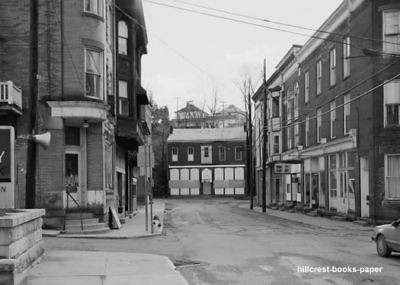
(207, 162)
(345, 79)
(77, 67)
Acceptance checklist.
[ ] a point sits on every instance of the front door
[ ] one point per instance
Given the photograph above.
(364, 178)
(206, 188)
(73, 178)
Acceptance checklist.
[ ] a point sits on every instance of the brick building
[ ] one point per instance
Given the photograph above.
(206, 162)
(340, 98)
(70, 61)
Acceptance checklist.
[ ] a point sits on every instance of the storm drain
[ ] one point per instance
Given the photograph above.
(185, 263)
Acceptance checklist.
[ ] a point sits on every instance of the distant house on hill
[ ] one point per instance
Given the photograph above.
(190, 117)
(207, 162)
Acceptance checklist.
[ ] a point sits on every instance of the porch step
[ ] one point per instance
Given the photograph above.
(74, 222)
(100, 230)
(77, 216)
(94, 227)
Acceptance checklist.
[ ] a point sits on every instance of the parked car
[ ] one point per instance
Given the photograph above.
(387, 238)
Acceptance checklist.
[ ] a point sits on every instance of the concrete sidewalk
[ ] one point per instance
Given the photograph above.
(132, 228)
(322, 222)
(103, 268)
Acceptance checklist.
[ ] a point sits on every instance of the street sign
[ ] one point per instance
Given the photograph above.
(7, 167)
(282, 168)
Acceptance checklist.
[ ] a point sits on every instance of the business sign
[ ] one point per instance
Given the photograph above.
(6, 167)
(282, 168)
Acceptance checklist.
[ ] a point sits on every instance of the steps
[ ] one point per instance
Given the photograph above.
(90, 223)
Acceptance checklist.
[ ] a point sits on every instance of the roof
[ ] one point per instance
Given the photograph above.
(209, 135)
(190, 108)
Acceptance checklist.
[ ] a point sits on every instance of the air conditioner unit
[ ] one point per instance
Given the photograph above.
(323, 140)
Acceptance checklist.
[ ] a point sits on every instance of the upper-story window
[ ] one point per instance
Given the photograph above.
(276, 145)
(296, 101)
(174, 154)
(72, 136)
(391, 31)
(275, 106)
(289, 137)
(391, 94)
(306, 87)
(346, 57)
(307, 134)
(123, 38)
(346, 114)
(332, 67)
(319, 124)
(319, 77)
(238, 153)
(333, 119)
(123, 101)
(296, 135)
(206, 154)
(94, 7)
(222, 153)
(190, 152)
(94, 80)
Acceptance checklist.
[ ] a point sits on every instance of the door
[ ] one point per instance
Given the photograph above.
(73, 178)
(364, 177)
(120, 189)
(314, 190)
(206, 188)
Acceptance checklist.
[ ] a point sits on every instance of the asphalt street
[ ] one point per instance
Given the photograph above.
(223, 242)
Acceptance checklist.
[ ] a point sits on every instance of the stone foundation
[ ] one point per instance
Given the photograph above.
(21, 244)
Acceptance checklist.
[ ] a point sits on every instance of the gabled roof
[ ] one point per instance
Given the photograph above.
(190, 108)
(231, 109)
(207, 135)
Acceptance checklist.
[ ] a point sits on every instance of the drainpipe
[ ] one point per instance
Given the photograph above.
(30, 188)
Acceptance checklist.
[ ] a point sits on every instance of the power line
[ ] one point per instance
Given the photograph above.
(280, 23)
(173, 49)
(258, 25)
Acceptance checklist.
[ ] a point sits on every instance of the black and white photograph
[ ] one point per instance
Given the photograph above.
(199, 142)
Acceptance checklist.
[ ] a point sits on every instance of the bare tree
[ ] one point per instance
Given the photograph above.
(213, 107)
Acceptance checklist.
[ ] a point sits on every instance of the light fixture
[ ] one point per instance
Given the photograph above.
(85, 124)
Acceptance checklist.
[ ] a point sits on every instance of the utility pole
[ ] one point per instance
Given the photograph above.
(264, 147)
(250, 152)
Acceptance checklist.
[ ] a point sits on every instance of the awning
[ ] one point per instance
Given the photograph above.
(142, 95)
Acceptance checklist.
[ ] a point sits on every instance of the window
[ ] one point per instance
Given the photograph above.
(319, 77)
(94, 7)
(222, 153)
(346, 57)
(391, 93)
(333, 119)
(296, 135)
(94, 73)
(392, 176)
(296, 101)
(190, 152)
(332, 67)
(122, 38)
(238, 153)
(206, 152)
(307, 129)
(289, 137)
(306, 87)
(174, 152)
(72, 169)
(346, 114)
(275, 106)
(72, 136)
(319, 124)
(123, 98)
(276, 144)
(391, 31)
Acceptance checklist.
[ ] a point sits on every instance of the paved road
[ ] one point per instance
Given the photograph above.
(219, 242)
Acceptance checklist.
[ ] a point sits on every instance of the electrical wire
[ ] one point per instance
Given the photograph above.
(260, 26)
(280, 23)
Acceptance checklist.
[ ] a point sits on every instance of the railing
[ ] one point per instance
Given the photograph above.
(69, 190)
(10, 94)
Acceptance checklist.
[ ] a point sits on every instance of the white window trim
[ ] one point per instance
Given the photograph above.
(174, 157)
(332, 67)
(319, 77)
(386, 99)
(346, 57)
(190, 156)
(307, 130)
(386, 48)
(319, 124)
(332, 119)
(101, 2)
(386, 178)
(346, 111)
(306, 87)
(103, 83)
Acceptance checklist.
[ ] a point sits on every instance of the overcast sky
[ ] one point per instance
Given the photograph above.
(190, 55)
